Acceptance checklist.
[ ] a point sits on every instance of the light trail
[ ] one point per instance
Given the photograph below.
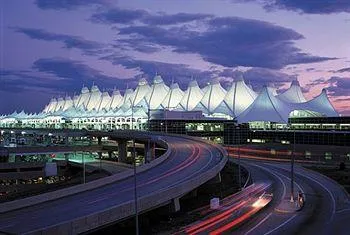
(213, 220)
(257, 205)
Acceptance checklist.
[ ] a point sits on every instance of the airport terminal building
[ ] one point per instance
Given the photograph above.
(93, 109)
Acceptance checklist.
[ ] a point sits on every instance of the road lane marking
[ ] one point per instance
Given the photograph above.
(343, 210)
(260, 223)
(329, 192)
(281, 225)
(279, 178)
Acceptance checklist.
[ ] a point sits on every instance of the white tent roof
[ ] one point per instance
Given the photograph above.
(105, 101)
(94, 99)
(75, 100)
(138, 97)
(53, 104)
(293, 94)
(238, 98)
(127, 99)
(117, 100)
(48, 107)
(213, 96)
(68, 102)
(173, 98)
(83, 98)
(60, 104)
(266, 107)
(157, 94)
(239, 101)
(193, 95)
(320, 104)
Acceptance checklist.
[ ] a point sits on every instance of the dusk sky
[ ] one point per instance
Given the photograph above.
(51, 48)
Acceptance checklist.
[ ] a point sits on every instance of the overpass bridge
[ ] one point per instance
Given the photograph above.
(187, 163)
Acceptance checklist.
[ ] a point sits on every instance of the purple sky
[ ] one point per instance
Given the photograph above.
(52, 48)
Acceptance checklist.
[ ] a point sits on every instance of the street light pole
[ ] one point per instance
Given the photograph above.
(83, 159)
(292, 170)
(239, 159)
(135, 180)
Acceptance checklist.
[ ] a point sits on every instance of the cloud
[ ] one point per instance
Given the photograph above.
(230, 42)
(137, 45)
(310, 69)
(164, 19)
(70, 42)
(67, 4)
(74, 74)
(305, 6)
(180, 73)
(259, 77)
(339, 86)
(118, 15)
(341, 70)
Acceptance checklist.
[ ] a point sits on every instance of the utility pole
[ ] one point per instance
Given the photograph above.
(135, 180)
(292, 170)
(83, 159)
(239, 159)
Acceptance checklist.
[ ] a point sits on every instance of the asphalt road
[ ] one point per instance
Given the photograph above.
(326, 210)
(188, 159)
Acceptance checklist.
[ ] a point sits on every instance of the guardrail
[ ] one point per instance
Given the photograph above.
(30, 201)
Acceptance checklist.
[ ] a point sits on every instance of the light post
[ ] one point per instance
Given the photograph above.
(135, 180)
(83, 160)
(292, 169)
(239, 159)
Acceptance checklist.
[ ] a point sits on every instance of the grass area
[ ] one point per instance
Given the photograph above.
(342, 176)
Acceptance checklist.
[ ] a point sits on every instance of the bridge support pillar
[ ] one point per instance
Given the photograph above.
(66, 156)
(122, 150)
(148, 152)
(99, 140)
(175, 205)
(216, 179)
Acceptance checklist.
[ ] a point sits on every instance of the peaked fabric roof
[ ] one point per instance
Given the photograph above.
(213, 97)
(320, 104)
(138, 97)
(192, 96)
(173, 98)
(238, 98)
(105, 101)
(239, 101)
(293, 94)
(68, 102)
(157, 93)
(117, 100)
(266, 107)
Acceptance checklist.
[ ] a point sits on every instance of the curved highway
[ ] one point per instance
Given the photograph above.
(190, 163)
(327, 204)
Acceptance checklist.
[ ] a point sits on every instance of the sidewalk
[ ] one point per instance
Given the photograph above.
(286, 206)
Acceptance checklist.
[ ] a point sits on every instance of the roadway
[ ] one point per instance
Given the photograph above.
(326, 202)
(326, 210)
(189, 159)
